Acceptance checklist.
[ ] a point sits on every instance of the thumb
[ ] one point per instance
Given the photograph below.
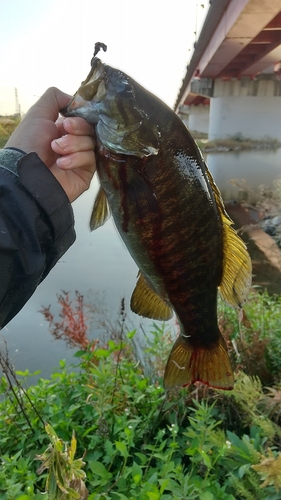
(49, 104)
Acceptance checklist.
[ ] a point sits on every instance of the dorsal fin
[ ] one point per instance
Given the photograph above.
(237, 268)
(146, 302)
(101, 211)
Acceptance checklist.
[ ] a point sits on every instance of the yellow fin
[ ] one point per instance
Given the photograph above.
(147, 303)
(101, 211)
(237, 266)
(188, 364)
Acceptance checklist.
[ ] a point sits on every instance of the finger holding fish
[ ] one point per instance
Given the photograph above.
(69, 143)
(76, 147)
(78, 126)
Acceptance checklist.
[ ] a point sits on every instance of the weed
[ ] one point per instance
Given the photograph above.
(135, 440)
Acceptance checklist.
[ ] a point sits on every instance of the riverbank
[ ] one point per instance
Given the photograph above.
(7, 126)
(235, 143)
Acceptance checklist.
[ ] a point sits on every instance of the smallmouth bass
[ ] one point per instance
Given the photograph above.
(171, 217)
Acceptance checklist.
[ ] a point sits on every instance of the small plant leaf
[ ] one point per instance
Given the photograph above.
(99, 469)
(122, 448)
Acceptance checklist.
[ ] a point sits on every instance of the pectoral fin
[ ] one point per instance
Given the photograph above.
(146, 302)
(237, 267)
(101, 211)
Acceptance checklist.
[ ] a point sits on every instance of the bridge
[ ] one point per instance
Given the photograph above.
(232, 84)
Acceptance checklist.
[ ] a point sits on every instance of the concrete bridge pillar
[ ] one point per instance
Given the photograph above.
(196, 118)
(247, 107)
(199, 118)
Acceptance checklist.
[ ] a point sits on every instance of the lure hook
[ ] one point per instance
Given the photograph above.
(98, 47)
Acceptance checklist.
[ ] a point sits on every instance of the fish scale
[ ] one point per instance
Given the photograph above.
(170, 215)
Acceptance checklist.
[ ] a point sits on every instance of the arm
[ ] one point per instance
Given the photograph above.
(36, 218)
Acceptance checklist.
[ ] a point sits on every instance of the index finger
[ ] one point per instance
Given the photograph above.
(78, 126)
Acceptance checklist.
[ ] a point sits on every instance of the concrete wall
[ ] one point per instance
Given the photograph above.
(199, 118)
(264, 85)
(195, 118)
(254, 117)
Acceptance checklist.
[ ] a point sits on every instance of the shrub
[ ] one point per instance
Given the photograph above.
(137, 442)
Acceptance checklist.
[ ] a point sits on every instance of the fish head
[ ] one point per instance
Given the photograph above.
(107, 99)
(86, 102)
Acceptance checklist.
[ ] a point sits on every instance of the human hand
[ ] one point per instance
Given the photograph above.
(65, 145)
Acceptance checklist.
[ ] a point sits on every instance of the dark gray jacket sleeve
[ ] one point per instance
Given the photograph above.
(36, 228)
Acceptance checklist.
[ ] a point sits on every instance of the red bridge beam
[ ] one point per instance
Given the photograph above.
(238, 38)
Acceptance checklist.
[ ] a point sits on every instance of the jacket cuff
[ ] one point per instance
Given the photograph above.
(9, 158)
(50, 196)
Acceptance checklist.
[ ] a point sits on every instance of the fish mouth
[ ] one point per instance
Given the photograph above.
(87, 100)
(91, 87)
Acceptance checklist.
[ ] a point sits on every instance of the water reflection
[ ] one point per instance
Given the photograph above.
(255, 167)
(100, 262)
(97, 262)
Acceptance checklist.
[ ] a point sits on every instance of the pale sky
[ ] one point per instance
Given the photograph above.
(51, 42)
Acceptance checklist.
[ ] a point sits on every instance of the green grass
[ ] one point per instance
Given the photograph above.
(3, 141)
(133, 440)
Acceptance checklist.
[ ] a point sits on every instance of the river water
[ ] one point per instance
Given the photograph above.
(99, 266)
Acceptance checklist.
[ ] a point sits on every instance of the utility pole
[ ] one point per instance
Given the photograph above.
(17, 104)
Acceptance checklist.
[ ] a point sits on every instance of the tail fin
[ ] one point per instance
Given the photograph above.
(187, 364)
